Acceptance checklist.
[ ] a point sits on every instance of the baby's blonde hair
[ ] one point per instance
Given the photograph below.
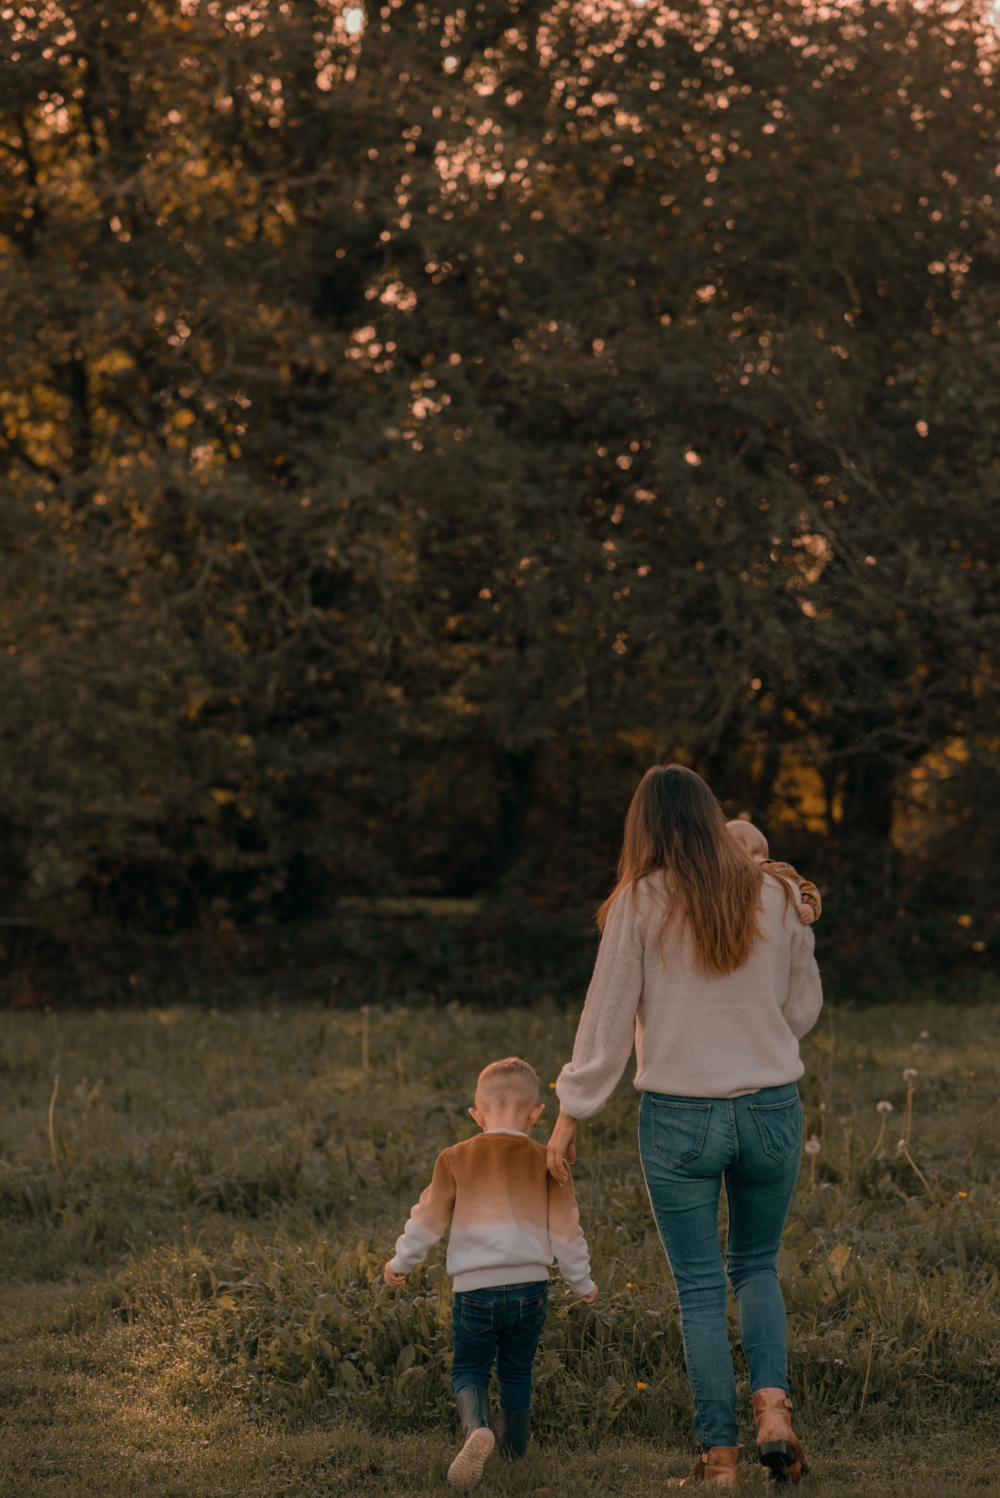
(511, 1077)
(749, 837)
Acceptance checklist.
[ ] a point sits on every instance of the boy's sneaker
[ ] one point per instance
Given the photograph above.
(467, 1468)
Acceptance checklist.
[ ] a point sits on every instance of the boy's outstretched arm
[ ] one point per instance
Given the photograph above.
(568, 1243)
(427, 1222)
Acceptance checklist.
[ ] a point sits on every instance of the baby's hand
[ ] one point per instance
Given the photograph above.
(588, 1300)
(806, 914)
(392, 1278)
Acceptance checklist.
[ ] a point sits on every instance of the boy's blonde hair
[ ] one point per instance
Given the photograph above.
(749, 837)
(511, 1077)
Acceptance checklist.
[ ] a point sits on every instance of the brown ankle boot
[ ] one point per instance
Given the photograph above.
(716, 1464)
(777, 1446)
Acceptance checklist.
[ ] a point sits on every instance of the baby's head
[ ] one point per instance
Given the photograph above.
(507, 1096)
(749, 837)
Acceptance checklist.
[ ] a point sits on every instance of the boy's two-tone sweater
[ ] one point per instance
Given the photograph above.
(509, 1217)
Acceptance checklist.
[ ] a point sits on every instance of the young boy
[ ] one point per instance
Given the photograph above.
(809, 904)
(508, 1218)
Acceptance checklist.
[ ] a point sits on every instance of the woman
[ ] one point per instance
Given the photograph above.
(704, 960)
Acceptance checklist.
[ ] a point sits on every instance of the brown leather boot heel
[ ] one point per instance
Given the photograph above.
(718, 1465)
(777, 1445)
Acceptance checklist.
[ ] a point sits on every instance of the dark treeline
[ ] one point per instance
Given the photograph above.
(416, 422)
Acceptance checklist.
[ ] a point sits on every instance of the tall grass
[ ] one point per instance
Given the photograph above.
(243, 1178)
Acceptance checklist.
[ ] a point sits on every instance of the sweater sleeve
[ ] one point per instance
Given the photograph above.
(566, 1236)
(607, 1025)
(810, 895)
(804, 890)
(428, 1220)
(805, 991)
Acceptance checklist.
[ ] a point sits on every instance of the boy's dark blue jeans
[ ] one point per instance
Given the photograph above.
(502, 1323)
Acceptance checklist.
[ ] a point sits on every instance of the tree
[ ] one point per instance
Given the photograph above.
(413, 430)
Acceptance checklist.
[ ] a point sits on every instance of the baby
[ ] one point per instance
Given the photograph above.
(508, 1218)
(808, 903)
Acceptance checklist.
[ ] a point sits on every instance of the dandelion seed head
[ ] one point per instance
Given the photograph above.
(883, 1107)
(812, 1146)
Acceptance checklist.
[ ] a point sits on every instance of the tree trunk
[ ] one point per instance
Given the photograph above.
(515, 773)
(867, 788)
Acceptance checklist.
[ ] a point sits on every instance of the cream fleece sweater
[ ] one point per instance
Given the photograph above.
(508, 1216)
(695, 1035)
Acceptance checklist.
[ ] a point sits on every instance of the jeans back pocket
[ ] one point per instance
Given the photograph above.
(780, 1128)
(532, 1310)
(678, 1128)
(476, 1315)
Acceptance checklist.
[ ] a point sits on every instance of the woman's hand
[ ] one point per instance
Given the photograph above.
(562, 1147)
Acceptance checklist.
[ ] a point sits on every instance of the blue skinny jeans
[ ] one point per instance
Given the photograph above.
(502, 1323)
(688, 1147)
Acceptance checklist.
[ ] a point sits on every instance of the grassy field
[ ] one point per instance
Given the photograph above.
(191, 1235)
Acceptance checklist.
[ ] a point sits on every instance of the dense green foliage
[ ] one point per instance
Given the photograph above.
(410, 434)
(227, 1194)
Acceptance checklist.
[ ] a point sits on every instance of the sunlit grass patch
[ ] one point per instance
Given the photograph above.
(227, 1200)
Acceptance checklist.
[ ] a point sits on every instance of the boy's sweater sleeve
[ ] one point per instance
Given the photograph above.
(429, 1219)
(607, 1025)
(566, 1236)
(805, 991)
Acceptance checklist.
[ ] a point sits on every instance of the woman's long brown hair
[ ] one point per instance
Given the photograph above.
(676, 826)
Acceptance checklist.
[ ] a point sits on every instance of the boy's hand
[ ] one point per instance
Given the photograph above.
(588, 1300)
(806, 914)
(392, 1278)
